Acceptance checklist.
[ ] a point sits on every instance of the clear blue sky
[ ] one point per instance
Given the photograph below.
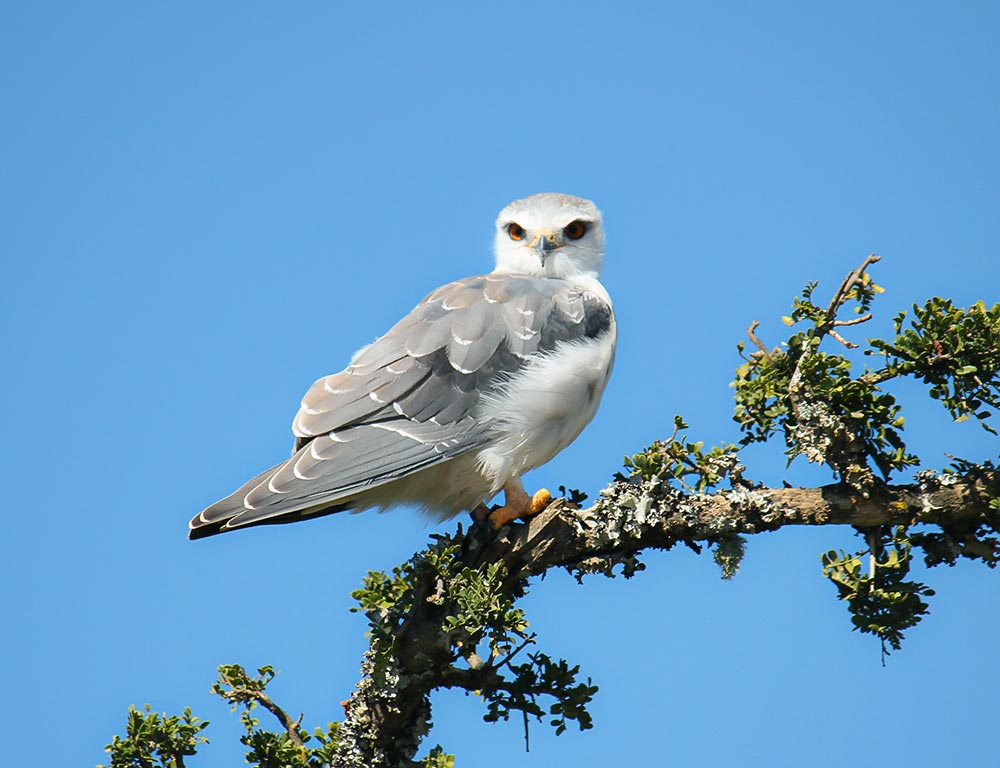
(205, 206)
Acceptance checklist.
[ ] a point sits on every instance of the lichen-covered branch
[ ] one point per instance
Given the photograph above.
(634, 515)
(386, 720)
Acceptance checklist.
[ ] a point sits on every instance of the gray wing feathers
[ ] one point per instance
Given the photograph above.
(348, 397)
(333, 468)
(525, 315)
(233, 503)
(426, 336)
(409, 400)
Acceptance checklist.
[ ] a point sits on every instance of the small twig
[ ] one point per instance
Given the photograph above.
(877, 377)
(872, 541)
(757, 342)
(845, 287)
(673, 436)
(855, 321)
(842, 340)
(489, 678)
(527, 743)
(506, 662)
(245, 694)
(291, 726)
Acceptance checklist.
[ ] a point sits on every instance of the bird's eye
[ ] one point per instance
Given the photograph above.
(575, 230)
(515, 231)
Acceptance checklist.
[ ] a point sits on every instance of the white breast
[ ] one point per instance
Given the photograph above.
(545, 406)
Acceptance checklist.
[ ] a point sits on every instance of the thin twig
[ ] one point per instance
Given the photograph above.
(757, 342)
(527, 743)
(291, 726)
(845, 287)
(872, 537)
(842, 340)
(877, 377)
(512, 654)
(856, 321)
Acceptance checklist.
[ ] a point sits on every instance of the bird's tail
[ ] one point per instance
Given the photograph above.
(231, 512)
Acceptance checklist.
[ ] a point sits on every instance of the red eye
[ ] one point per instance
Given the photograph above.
(575, 230)
(516, 231)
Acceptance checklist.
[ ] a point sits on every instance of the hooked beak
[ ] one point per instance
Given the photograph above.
(543, 247)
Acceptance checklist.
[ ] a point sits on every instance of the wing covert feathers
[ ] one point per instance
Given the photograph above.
(409, 401)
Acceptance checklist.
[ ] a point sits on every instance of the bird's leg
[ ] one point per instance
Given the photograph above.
(517, 503)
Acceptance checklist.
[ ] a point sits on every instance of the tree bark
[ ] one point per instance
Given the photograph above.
(633, 516)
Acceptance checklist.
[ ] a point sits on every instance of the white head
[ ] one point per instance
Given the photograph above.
(550, 234)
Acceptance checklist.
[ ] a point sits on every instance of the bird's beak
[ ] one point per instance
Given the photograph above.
(542, 247)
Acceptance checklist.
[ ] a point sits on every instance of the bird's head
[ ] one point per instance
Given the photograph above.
(550, 234)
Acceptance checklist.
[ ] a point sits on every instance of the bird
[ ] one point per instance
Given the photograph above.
(487, 378)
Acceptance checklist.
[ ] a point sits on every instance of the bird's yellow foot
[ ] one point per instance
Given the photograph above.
(518, 504)
(500, 516)
(540, 501)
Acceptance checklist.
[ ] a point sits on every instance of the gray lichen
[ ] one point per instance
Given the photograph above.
(359, 736)
(812, 433)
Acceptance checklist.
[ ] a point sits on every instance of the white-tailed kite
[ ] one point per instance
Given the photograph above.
(487, 378)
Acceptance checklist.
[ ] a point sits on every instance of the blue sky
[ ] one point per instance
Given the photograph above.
(204, 207)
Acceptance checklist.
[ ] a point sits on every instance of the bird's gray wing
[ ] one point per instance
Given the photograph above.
(409, 400)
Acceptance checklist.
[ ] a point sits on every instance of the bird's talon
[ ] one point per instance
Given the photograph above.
(501, 516)
(539, 501)
(519, 505)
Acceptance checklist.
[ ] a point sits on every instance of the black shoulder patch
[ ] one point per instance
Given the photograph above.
(598, 318)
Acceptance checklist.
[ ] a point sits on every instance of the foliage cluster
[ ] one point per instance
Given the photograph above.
(481, 634)
(269, 748)
(688, 464)
(828, 411)
(154, 740)
(881, 601)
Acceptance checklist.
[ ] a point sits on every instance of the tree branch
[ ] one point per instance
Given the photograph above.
(386, 721)
(634, 516)
(291, 726)
(236, 687)
(752, 334)
(845, 288)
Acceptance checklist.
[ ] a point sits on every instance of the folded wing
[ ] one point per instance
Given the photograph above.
(409, 401)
